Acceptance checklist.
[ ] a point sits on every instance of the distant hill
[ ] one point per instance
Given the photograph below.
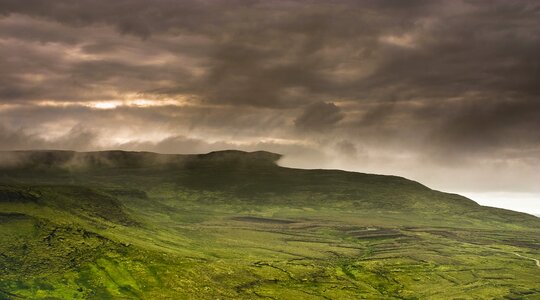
(233, 224)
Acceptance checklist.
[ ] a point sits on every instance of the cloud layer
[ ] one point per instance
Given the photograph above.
(425, 89)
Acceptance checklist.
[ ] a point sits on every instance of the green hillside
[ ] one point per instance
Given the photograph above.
(234, 225)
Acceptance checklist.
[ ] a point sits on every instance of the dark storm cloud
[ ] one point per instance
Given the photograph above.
(477, 127)
(446, 80)
(283, 54)
(278, 54)
(319, 116)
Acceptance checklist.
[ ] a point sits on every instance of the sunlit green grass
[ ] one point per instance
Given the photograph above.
(236, 226)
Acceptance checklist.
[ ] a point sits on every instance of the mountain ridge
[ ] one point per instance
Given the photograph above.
(75, 161)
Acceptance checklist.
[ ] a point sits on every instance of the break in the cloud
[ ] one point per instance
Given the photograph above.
(447, 92)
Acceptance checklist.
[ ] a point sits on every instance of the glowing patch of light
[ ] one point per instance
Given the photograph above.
(405, 40)
(90, 104)
(150, 103)
(110, 104)
(104, 105)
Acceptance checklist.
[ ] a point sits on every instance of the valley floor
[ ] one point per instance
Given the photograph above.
(185, 249)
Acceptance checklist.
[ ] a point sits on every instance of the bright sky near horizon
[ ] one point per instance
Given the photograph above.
(523, 202)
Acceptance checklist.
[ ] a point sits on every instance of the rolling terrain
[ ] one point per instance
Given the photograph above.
(235, 225)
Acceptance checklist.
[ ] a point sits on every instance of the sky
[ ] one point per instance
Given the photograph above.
(443, 92)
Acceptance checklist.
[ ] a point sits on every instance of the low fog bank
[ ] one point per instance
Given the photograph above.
(480, 175)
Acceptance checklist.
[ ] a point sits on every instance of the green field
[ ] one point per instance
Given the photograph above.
(234, 225)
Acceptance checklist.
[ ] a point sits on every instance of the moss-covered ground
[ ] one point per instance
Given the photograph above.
(235, 226)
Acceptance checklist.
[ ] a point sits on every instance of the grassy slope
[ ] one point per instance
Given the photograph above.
(234, 225)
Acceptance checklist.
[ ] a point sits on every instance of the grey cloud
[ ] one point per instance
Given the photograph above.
(482, 129)
(288, 54)
(347, 148)
(319, 116)
(275, 50)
